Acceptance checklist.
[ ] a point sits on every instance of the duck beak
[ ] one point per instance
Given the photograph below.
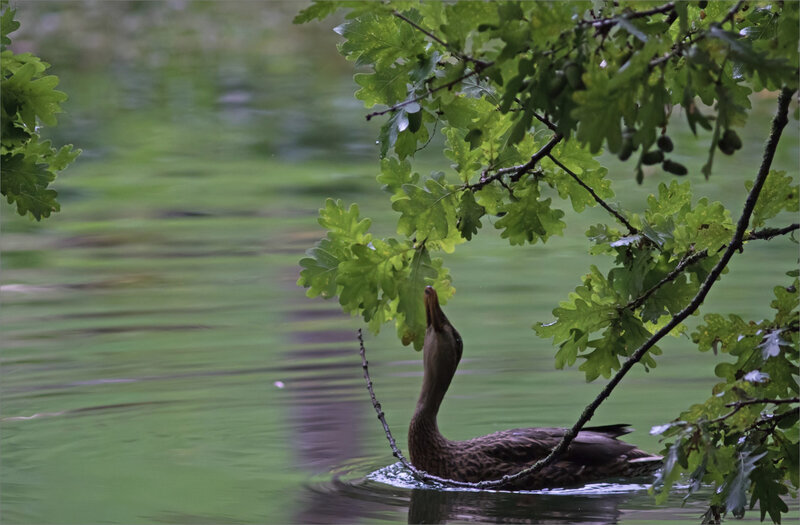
(433, 311)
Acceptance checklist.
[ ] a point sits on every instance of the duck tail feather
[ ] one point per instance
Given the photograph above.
(611, 430)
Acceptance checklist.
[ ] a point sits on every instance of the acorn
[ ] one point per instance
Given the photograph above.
(652, 157)
(626, 150)
(674, 167)
(664, 143)
(732, 138)
(730, 142)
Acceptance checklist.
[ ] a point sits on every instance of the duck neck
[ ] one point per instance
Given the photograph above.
(426, 444)
(430, 399)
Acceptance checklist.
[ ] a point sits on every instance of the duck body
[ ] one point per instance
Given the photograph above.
(595, 453)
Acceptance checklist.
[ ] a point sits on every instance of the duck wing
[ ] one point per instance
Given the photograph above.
(592, 446)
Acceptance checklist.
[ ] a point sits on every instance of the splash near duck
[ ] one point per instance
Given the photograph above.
(595, 454)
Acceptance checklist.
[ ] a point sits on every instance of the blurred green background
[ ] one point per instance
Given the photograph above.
(160, 365)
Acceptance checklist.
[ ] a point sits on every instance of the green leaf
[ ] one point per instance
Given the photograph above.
(581, 162)
(316, 11)
(7, 25)
(385, 86)
(469, 215)
(467, 159)
(319, 269)
(410, 308)
(707, 226)
(344, 223)
(778, 194)
(394, 175)
(583, 311)
(25, 182)
(427, 212)
(736, 486)
(38, 97)
(769, 491)
(773, 72)
(529, 218)
(378, 40)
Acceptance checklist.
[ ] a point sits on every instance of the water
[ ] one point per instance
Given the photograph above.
(159, 365)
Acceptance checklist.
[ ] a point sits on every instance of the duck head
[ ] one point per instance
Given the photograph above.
(443, 346)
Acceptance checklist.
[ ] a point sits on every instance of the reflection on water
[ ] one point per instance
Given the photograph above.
(158, 363)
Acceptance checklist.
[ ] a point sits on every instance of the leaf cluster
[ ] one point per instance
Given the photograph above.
(744, 438)
(376, 278)
(28, 164)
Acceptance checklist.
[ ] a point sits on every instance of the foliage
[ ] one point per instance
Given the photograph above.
(526, 96)
(745, 437)
(29, 164)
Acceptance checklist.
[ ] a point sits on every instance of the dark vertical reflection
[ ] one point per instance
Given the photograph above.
(436, 506)
(325, 420)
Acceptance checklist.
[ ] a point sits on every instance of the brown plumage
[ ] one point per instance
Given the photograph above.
(595, 454)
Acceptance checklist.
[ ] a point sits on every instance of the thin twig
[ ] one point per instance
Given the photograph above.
(769, 233)
(684, 262)
(430, 137)
(678, 47)
(732, 12)
(687, 260)
(773, 419)
(764, 401)
(446, 85)
(518, 170)
(612, 21)
(438, 40)
(596, 197)
(544, 120)
(738, 405)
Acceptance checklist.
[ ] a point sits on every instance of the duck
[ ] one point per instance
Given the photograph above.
(593, 456)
